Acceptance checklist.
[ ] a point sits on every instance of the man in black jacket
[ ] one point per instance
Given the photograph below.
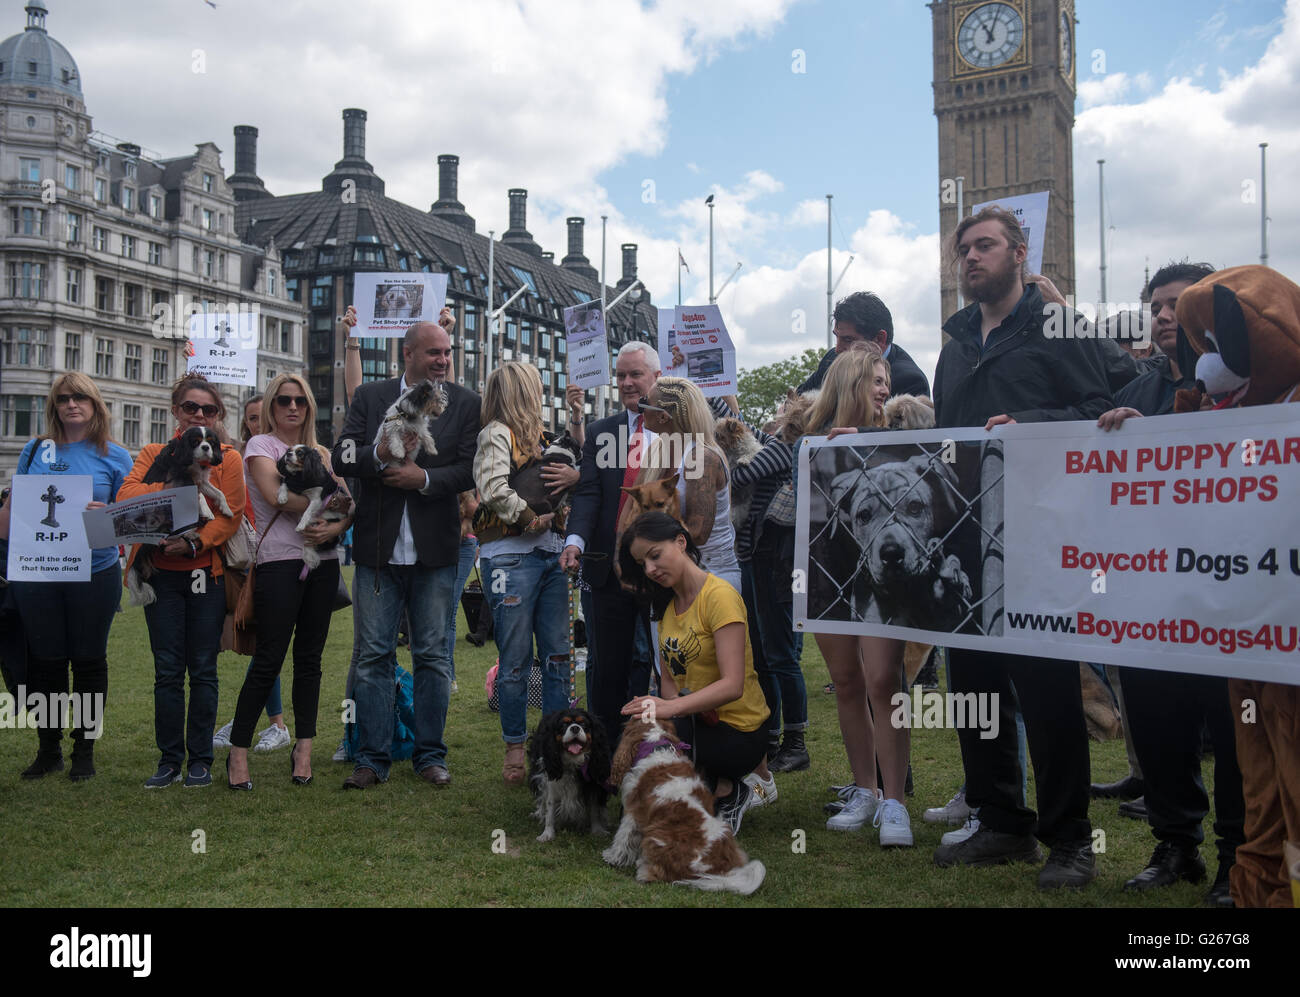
(863, 317)
(406, 542)
(1000, 368)
(593, 518)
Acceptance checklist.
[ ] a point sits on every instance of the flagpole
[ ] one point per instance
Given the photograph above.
(679, 275)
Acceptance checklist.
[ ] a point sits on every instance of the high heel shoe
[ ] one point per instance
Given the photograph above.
(298, 780)
(247, 785)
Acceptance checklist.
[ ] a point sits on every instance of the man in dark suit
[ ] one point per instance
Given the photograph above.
(406, 543)
(616, 676)
(863, 318)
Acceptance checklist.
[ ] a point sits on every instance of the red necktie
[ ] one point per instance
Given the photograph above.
(633, 463)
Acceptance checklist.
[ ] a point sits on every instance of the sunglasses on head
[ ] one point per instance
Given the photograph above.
(284, 401)
(192, 408)
(76, 396)
(643, 405)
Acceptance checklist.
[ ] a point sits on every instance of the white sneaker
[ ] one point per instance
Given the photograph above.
(271, 738)
(221, 739)
(962, 833)
(341, 755)
(955, 811)
(454, 687)
(895, 826)
(764, 792)
(859, 808)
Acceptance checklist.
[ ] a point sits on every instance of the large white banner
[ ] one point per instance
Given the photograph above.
(1031, 211)
(1170, 543)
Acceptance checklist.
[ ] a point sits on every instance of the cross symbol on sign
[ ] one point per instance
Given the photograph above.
(51, 498)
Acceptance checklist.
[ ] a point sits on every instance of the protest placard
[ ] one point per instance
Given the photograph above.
(1167, 544)
(223, 347)
(1031, 211)
(705, 349)
(146, 519)
(47, 541)
(584, 327)
(388, 304)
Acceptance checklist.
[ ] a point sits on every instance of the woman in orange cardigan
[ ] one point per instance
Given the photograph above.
(186, 620)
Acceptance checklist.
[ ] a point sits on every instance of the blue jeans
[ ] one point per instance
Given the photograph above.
(529, 595)
(426, 592)
(468, 551)
(185, 634)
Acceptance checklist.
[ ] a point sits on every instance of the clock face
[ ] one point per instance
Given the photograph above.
(1067, 44)
(990, 35)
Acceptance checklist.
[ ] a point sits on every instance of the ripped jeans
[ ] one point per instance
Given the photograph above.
(529, 596)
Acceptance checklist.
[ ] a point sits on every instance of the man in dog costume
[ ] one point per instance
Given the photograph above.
(1245, 324)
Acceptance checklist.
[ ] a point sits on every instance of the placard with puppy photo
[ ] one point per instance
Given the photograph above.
(147, 519)
(390, 303)
(901, 534)
(584, 332)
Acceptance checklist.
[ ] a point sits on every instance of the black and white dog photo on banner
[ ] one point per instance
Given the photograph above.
(902, 534)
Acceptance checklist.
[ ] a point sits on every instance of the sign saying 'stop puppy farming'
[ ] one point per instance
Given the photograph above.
(1169, 543)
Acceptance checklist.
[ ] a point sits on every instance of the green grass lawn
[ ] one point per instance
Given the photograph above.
(108, 842)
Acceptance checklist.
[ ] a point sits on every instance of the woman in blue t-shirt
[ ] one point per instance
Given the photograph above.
(69, 621)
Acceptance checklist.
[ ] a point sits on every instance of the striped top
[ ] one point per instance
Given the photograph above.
(767, 472)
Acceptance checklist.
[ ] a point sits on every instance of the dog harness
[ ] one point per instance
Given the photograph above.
(647, 748)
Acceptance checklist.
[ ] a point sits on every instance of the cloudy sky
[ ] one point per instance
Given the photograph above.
(640, 110)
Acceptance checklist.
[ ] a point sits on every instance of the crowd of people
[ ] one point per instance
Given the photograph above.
(687, 607)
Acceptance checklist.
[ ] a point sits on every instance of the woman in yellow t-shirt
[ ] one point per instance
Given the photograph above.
(707, 682)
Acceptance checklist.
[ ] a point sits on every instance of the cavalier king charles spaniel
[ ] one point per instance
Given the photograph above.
(186, 460)
(410, 414)
(668, 828)
(303, 472)
(568, 770)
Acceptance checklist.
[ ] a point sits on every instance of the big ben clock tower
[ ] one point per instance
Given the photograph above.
(1004, 73)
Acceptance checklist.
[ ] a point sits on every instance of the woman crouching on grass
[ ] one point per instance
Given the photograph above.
(707, 682)
(853, 396)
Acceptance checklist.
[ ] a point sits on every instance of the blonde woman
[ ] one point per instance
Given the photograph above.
(681, 418)
(288, 601)
(864, 669)
(526, 589)
(67, 623)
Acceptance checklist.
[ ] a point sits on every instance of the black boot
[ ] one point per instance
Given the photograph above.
(83, 759)
(49, 757)
(793, 756)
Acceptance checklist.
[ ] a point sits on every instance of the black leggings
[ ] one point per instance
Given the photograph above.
(284, 607)
(720, 751)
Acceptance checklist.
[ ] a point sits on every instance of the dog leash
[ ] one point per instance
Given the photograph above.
(575, 594)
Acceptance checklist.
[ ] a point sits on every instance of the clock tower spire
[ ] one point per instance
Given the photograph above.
(1004, 82)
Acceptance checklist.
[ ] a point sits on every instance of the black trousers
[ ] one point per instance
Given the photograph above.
(719, 750)
(286, 608)
(617, 675)
(1167, 711)
(1052, 704)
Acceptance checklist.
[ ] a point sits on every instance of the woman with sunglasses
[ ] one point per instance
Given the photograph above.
(185, 621)
(277, 735)
(289, 602)
(68, 622)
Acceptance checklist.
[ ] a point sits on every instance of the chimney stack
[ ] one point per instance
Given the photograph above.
(244, 182)
(517, 234)
(575, 260)
(447, 207)
(353, 165)
(629, 265)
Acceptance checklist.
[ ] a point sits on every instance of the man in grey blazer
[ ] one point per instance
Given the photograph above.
(406, 543)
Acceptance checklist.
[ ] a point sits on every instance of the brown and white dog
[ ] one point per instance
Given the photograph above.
(668, 829)
(653, 496)
(909, 412)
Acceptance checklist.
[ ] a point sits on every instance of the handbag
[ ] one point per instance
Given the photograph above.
(534, 686)
(241, 548)
(781, 509)
(244, 604)
(342, 597)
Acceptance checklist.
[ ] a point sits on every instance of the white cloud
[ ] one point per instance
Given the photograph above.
(1182, 172)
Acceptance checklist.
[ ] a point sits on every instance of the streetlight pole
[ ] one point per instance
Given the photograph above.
(1101, 210)
(1263, 204)
(829, 290)
(709, 202)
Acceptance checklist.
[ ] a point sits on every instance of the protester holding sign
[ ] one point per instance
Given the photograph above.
(69, 622)
(186, 620)
(999, 368)
(866, 671)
